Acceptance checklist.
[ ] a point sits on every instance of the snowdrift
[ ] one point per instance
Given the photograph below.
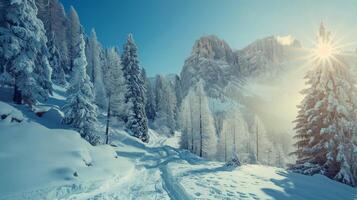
(33, 156)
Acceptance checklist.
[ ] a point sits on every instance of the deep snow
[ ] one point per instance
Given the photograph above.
(40, 159)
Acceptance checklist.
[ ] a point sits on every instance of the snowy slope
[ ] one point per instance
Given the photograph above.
(33, 156)
(41, 163)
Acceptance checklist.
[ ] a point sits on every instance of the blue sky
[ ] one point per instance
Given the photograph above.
(165, 30)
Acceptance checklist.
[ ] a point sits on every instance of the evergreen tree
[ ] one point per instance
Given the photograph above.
(165, 106)
(58, 75)
(53, 16)
(150, 99)
(178, 95)
(233, 137)
(75, 32)
(199, 134)
(206, 132)
(187, 124)
(115, 87)
(115, 83)
(23, 52)
(136, 121)
(80, 110)
(263, 147)
(94, 69)
(325, 124)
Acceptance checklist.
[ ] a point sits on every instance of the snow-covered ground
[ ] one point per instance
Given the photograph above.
(41, 163)
(39, 159)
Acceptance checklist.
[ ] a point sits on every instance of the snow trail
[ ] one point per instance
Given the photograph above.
(155, 162)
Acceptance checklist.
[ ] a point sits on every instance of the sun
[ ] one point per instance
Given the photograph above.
(324, 50)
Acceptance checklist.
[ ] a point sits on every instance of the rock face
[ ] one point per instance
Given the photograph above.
(214, 62)
(211, 60)
(211, 47)
(266, 56)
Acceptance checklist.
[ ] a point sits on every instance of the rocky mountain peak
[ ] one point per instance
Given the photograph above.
(211, 47)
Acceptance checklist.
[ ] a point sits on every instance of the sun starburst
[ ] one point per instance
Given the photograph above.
(327, 49)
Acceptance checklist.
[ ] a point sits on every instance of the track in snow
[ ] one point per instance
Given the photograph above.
(155, 163)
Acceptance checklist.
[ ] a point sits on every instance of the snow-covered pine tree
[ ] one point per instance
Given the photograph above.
(75, 32)
(326, 121)
(187, 123)
(207, 136)
(223, 139)
(233, 137)
(58, 75)
(150, 99)
(94, 69)
(136, 122)
(115, 83)
(165, 106)
(80, 110)
(23, 51)
(199, 134)
(178, 95)
(263, 147)
(145, 80)
(53, 16)
(115, 87)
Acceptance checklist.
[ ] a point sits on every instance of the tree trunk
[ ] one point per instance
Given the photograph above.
(17, 98)
(191, 119)
(201, 134)
(108, 120)
(234, 141)
(257, 142)
(225, 147)
(186, 130)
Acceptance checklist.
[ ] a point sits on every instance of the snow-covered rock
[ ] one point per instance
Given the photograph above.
(9, 113)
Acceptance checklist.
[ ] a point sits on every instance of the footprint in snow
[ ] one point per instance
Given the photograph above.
(242, 195)
(254, 196)
(229, 193)
(215, 191)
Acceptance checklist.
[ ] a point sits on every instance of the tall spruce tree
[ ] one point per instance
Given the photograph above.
(115, 87)
(326, 122)
(94, 69)
(58, 75)
(165, 106)
(150, 99)
(80, 110)
(23, 51)
(75, 32)
(136, 121)
(199, 134)
(178, 95)
(53, 16)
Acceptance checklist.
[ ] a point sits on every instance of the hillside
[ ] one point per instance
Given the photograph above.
(64, 166)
